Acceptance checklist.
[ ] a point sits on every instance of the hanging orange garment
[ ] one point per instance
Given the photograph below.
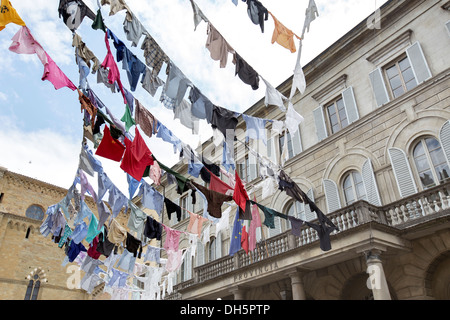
(283, 36)
(87, 105)
(8, 14)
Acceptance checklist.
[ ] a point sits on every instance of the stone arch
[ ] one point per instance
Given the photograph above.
(352, 160)
(437, 277)
(428, 122)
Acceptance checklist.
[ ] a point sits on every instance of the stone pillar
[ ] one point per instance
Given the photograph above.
(238, 292)
(377, 279)
(298, 290)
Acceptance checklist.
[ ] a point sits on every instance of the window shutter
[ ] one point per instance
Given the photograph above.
(370, 183)
(447, 26)
(319, 120)
(418, 62)
(252, 166)
(277, 229)
(379, 87)
(219, 245)
(271, 150)
(402, 172)
(444, 136)
(297, 142)
(310, 215)
(200, 254)
(331, 195)
(350, 105)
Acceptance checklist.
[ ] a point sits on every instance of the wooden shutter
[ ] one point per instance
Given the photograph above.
(219, 245)
(402, 172)
(271, 150)
(297, 142)
(444, 136)
(200, 254)
(379, 87)
(350, 105)
(319, 120)
(370, 183)
(277, 229)
(252, 166)
(310, 215)
(447, 27)
(331, 195)
(418, 63)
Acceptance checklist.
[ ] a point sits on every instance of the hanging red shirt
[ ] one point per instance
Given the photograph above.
(240, 196)
(137, 156)
(244, 240)
(109, 147)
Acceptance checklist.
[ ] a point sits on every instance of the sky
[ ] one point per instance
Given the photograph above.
(41, 128)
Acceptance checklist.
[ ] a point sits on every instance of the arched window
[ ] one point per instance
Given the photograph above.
(33, 288)
(35, 212)
(430, 162)
(353, 187)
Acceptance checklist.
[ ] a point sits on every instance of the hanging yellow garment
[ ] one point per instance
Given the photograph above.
(283, 36)
(9, 14)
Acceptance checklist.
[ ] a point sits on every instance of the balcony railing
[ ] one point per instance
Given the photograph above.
(400, 214)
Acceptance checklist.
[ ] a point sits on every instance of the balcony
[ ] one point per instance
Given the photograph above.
(411, 213)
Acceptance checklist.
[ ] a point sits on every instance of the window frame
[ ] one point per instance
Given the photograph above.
(354, 184)
(396, 63)
(327, 116)
(432, 167)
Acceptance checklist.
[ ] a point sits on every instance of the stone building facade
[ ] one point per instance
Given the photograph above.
(373, 153)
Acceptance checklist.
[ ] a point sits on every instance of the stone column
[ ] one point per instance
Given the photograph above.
(238, 292)
(377, 279)
(298, 290)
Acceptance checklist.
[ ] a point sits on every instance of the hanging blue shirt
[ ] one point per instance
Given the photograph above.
(256, 128)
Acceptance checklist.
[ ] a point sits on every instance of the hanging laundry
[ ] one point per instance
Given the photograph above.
(116, 6)
(117, 200)
(74, 250)
(273, 96)
(256, 128)
(198, 15)
(235, 242)
(154, 55)
(152, 254)
(255, 223)
(201, 107)
(151, 198)
(103, 213)
(216, 184)
(151, 82)
(98, 22)
(166, 135)
(257, 12)
(244, 240)
(54, 74)
(183, 112)
(226, 121)
(283, 36)
(137, 156)
(133, 30)
(245, 72)
(174, 260)
(195, 223)
(278, 126)
(172, 238)
(176, 84)
(110, 63)
(85, 53)
(293, 119)
(136, 220)
(92, 251)
(155, 173)
(92, 229)
(144, 119)
(109, 147)
(311, 14)
(182, 182)
(171, 208)
(228, 156)
(215, 200)
(296, 226)
(240, 195)
(86, 186)
(133, 184)
(8, 14)
(73, 13)
(127, 118)
(217, 46)
(83, 70)
(23, 42)
(87, 106)
(152, 229)
(269, 215)
(117, 233)
(79, 232)
(224, 221)
(290, 187)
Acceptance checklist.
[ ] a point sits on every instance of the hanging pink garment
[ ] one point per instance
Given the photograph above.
(196, 223)
(172, 238)
(110, 63)
(255, 223)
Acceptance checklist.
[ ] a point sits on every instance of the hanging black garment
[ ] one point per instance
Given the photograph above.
(73, 13)
(257, 12)
(245, 72)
